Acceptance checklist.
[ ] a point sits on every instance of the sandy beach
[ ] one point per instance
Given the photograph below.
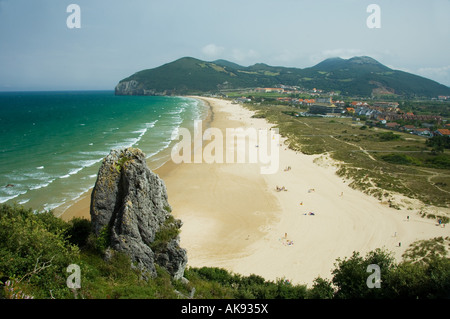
(234, 218)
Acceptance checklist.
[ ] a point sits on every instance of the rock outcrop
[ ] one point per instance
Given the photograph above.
(133, 87)
(129, 206)
(129, 88)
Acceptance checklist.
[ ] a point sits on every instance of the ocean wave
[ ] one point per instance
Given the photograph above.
(146, 127)
(79, 194)
(52, 206)
(177, 111)
(141, 131)
(129, 142)
(4, 199)
(42, 185)
(165, 145)
(175, 133)
(21, 176)
(82, 164)
(95, 153)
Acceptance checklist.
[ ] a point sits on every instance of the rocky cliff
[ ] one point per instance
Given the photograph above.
(133, 87)
(129, 88)
(129, 205)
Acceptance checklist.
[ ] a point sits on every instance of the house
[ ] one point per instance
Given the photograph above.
(285, 99)
(354, 104)
(442, 132)
(422, 132)
(325, 110)
(308, 102)
(350, 110)
(408, 128)
(392, 125)
(393, 105)
(338, 103)
(367, 112)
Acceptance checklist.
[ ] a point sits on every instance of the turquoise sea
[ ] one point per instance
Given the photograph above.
(52, 143)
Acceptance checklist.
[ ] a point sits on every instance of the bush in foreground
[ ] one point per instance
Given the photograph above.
(36, 248)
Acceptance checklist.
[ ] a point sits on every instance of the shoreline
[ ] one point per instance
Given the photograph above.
(234, 219)
(80, 207)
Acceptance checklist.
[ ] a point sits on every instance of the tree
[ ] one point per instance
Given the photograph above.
(350, 275)
(322, 289)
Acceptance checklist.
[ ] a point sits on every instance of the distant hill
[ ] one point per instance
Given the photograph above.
(361, 76)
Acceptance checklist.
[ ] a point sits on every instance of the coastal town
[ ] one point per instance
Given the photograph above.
(386, 114)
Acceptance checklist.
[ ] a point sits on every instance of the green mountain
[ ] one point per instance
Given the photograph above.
(356, 76)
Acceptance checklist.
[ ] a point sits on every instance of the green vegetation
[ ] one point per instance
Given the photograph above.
(388, 136)
(120, 163)
(168, 231)
(439, 143)
(416, 277)
(36, 248)
(374, 160)
(421, 107)
(34, 252)
(401, 159)
(219, 283)
(359, 76)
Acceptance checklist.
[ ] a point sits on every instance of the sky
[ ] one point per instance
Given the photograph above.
(116, 38)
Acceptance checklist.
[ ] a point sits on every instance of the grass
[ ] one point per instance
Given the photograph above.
(168, 231)
(425, 250)
(375, 160)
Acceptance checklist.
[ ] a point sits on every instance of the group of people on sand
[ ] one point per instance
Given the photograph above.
(283, 188)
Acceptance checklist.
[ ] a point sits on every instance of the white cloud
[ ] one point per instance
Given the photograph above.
(212, 50)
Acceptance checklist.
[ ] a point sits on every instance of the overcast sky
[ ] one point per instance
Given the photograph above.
(118, 38)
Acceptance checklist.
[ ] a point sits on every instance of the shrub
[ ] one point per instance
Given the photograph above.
(322, 289)
(34, 251)
(401, 159)
(168, 231)
(350, 275)
(78, 231)
(388, 136)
